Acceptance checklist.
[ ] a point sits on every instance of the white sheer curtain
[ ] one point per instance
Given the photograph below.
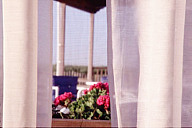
(1, 64)
(44, 88)
(19, 63)
(145, 61)
(187, 69)
(26, 63)
(123, 60)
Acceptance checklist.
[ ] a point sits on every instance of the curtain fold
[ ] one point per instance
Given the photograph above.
(147, 61)
(26, 72)
(114, 123)
(20, 44)
(44, 88)
(156, 48)
(178, 61)
(161, 31)
(123, 60)
(187, 69)
(1, 63)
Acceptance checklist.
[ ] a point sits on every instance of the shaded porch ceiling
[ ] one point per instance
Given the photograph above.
(91, 6)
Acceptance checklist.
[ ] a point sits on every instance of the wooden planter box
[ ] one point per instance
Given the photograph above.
(80, 123)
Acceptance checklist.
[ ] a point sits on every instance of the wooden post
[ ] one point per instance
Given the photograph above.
(90, 64)
(61, 9)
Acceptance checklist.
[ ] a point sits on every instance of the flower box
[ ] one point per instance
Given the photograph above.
(80, 123)
(93, 105)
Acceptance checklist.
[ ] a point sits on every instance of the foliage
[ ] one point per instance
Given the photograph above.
(95, 104)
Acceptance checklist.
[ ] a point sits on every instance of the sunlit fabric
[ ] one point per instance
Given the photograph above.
(149, 50)
(146, 59)
(27, 63)
(187, 69)
(123, 60)
(19, 63)
(45, 42)
(1, 64)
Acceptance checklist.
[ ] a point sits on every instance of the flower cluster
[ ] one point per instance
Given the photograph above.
(104, 100)
(63, 99)
(93, 105)
(102, 86)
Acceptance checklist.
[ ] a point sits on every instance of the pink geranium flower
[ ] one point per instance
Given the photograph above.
(104, 100)
(85, 91)
(56, 101)
(61, 98)
(100, 85)
(107, 101)
(106, 86)
(101, 100)
(68, 95)
(92, 87)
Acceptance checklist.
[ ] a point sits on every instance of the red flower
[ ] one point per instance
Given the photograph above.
(57, 101)
(60, 99)
(104, 100)
(91, 87)
(101, 100)
(106, 86)
(85, 91)
(107, 101)
(100, 85)
(68, 95)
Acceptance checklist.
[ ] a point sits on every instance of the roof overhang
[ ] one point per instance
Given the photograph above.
(91, 6)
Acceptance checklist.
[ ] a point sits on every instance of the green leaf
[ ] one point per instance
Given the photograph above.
(67, 101)
(91, 99)
(99, 112)
(102, 92)
(90, 116)
(89, 104)
(82, 108)
(107, 118)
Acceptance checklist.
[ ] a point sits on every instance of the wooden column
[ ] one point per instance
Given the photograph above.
(90, 63)
(61, 9)
(20, 44)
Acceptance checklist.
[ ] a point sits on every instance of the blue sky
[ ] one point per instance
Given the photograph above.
(77, 37)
